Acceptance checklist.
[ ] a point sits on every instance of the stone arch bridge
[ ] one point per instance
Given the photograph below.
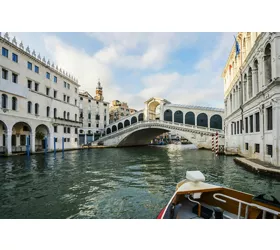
(195, 123)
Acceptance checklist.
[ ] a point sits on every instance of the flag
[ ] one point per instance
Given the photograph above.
(237, 48)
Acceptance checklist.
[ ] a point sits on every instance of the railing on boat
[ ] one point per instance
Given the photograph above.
(240, 202)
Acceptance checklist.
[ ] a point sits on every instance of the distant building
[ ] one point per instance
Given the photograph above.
(252, 97)
(119, 110)
(94, 115)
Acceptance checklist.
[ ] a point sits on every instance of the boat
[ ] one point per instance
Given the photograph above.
(196, 199)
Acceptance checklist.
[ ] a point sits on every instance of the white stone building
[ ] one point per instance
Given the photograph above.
(94, 114)
(38, 100)
(252, 97)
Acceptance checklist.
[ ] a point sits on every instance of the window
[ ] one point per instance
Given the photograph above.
(5, 52)
(55, 79)
(68, 139)
(64, 98)
(14, 103)
(76, 90)
(36, 69)
(81, 98)
(251, 124)
(29, 65)
(76, 139)
(65, 85)
(54, 93)
(64, 130)
(68, 99)
(64, 114)
(65, 139)
(269, 118)
(76, 131)
(104, 118)
(269, 150)
(4, 101)
(89, 125)
(55, 129)
(14, 140)
(75, 117)
(54, 112)
(36, 109)
(14, 78)
(89, 100)
(29, 107)
(69, 130)
(55, 139)
(48, 76)
(75, 102)
(97, 125)
(246, 125)
(89, 116)
(96, 102)
(5, 74)
(48, 111)
(47, 91)
(241, 126)
(257, 148)
(97, 117)
(15, 57)
(68, 86)
(257, 121)
(36, 86)
(246, 146)
(68, 116)
(234, 127)
(237, 127)
(29, 84)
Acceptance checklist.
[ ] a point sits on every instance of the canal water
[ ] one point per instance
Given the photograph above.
(113, 183)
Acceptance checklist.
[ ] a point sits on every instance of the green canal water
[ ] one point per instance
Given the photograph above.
(113, 183)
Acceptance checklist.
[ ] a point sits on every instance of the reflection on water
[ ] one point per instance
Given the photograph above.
(113, 183)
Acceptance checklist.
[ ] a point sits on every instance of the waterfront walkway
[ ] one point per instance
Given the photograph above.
(259, 166)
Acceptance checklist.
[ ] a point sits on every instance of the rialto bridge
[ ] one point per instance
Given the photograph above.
(195, 123)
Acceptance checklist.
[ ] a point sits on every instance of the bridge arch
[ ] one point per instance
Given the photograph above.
(216, 122)
(114, 128)
(167, 115)
(120, 125)
(141, 117)
(154, 110)
(178, 116)
(133, 120)
(108, 131)
(202, 120)
(126, 123)
(190, 118)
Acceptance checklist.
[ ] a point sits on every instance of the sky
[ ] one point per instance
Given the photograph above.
(184, 68)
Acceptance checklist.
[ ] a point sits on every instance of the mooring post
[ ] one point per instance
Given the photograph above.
(62, 147)
(54, 147)
(27, 146)
(217, 143)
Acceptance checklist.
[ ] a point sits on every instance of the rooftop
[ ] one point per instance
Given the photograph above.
(194, 107)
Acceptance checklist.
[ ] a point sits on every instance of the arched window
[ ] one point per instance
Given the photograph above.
(216, 122)
(267, 63)
(190, 118)
(120, 125)
(48, 111)
(250, 84)
(75, 117)
(29, 107)
(64, 115)
(256, 83)
(126, 123)
(68, 130)
(36, 109)
(141, 117)
(14, 103)
(245, 88)
(133, 120)
(168, 115)
(114, 128)
(54, 113)
(4, 101)
(68, 115)
(178, 116)
(108, 131)
(202, 120)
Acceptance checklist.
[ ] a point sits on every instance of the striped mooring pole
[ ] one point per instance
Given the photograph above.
(213, 143)
(217, 143)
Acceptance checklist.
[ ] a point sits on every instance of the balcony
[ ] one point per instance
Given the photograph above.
(13, 88)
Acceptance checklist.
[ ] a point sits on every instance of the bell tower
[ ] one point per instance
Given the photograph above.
(99, 92)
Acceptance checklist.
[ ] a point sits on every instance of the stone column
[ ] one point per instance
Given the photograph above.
(85, 142)
(32, 142)
(254, 80)
(276, 132)
(51, 141)
(9, 142)
(161, 111)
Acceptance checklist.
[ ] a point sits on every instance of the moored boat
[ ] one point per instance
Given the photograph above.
(196, 199)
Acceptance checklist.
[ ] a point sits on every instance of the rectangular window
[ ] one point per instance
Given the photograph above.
(76, 90)
(257, 148)
(237, 127)
(14, 140)
(231, 129)
(65, 139)
(246, 146)
(68, 139)
(251, 124)
(29, 84)
(65, 84)
(55, 79)
(48, 76)
(76, 139)
(29, 65)
(257, 121)
(269, 118)
(68, 99)
(269, 150)
(240, 126)
(68, 86)
(76, 131)
(36, 86)
(75, 102)
(64, 98)
(55, 129)
(14, 78)
(36, 69)
(89, 125)
(15, 57)
(5, 52)
(104, 118)
(246, 125)
(234, 128)
(65, 130)
(55, 139)
(5, 74)
(89, 100)
(89, 116)
(47, 91)
(97, 125)
(54, 93)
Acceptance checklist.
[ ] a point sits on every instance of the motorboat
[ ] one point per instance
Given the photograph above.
(196, 199)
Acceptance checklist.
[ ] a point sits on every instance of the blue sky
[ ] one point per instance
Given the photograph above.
(183, 68)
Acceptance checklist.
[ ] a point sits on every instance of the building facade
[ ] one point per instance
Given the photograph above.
(94, 115)
(119, 110)
(252, 97)
(39, 102)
